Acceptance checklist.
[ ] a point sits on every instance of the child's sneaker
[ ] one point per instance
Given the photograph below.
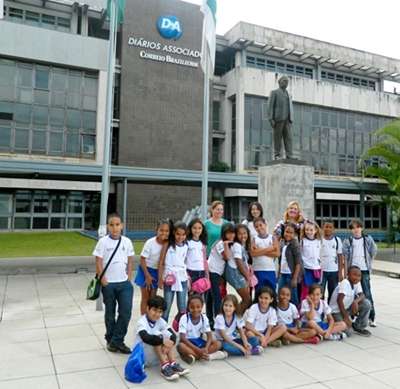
(189, 359)
(372, 323)
(343, 335)
(333, 337)
(257, 350)
(217, 355)
(168, 373)
(275, 343)
(178, 369)
(313, 340)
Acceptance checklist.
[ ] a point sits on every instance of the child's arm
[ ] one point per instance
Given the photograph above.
(99, 270)
(268, 332)
(242, 268)
(226, 254)
(342, 267)
(246, 343)
(147, 275)
(311, 313)
(343, 310)
(129, 270)
(161, 265)
(157, 340)
(250, 327)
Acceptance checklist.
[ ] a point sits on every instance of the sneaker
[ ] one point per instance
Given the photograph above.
(333, 337)
(168, 373)
(178, 369)
(285, 342)
(123, 348)
(362, 332)
(313, 340)
(218, 355)
(257, 350)
(275, 343)
(112, 348)
(343, 335)
(189, 359)
(372, 323)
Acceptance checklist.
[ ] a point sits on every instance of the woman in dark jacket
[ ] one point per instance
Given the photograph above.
(290, 264)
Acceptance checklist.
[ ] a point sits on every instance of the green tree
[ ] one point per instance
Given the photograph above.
(387, 149)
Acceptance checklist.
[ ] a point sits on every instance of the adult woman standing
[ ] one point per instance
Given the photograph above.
(255, 210)
(213, 227)
(293, 215)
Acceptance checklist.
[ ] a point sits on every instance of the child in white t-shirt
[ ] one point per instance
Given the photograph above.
(195, 337)
(316, 314)
(229, 329)
(158, 340)
(172, 275)
(332, 260)
(116, 282)
(147, 272)
(288, 315)
(261, 320)
(255, 211)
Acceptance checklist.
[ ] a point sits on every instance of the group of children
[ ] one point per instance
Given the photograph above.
(289, 304)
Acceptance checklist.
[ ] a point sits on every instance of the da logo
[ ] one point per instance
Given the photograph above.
(169, 27)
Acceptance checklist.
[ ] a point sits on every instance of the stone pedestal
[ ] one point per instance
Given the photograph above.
(281, 182)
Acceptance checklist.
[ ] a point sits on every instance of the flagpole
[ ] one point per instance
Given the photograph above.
(206, 108)
(105, 179)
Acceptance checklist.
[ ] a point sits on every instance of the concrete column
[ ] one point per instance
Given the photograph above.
(74, 18)
(362, 206)
(100, 120)
(318, 71)
(240, 132)
(279, 183)
(85, 20)
(226, 126)
(238, 59)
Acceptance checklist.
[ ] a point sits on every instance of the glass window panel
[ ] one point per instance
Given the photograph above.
(315, 139)
(42, 78)
(58, 203)
(48, 20)
(5, 204)
(343, 224)
(74, 100)
(25, 76)
(41, 203)
(74, 82)
(40, 223)
(315, 116)
(23, 113)
(89, 144)
(73, 118)
(332, 141)
(89, 120)
(59, 79)
(57, 117)
(25, 95)
(58, 99)
(23, 202)
(57, 223)
(74, 222)
(22, 139)
(75, 204)
(39, 141)
(16, 14)
(41, 97)
(56, 142)
(7, 73)
(7, 92)
(90, 102)
(72, 146)
(4, 223)
(22, 223)
(40, 115)
(325, 118)
(5, 138)
(32, 18)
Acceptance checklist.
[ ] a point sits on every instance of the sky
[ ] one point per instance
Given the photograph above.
(368, 25)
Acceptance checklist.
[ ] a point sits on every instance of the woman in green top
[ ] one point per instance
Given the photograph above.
(214, 224)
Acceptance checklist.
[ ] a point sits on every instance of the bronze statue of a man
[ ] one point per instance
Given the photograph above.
(280, 115)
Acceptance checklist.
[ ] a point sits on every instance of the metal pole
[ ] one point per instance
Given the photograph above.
(105, 179)
(206, 106)
(124, 203)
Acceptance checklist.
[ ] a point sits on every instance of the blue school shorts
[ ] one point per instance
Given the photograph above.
(323, 324)
(309, 278)
(291, 325)
(140, 279)
(198, 342)
(266, 278)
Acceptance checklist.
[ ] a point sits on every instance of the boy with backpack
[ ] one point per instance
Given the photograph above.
(360, 250)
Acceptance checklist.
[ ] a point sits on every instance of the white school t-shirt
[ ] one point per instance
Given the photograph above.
(175, 261)
(321, 311)
(195, 255)
(216, 263)
(158, 328)
(259, 319)
(350, 293)
(192, 330)
(285, 269)
(329, 253)
(263, 262)
(287, 316)
(311, 253)
(151, 252)
(116, 271)
(250, 226)
(358, 253)
(236, 253)
(231, 329)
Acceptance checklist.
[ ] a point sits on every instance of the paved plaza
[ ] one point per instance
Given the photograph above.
(51, 337)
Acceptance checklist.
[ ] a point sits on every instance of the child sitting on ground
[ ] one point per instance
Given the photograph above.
(158, 340)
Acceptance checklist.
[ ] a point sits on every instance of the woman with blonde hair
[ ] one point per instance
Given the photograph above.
(292, 214)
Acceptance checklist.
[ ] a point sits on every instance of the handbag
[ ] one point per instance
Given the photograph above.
(93, 290)
(253, 278)
(170, 279)
(134, 368)
(202, 284)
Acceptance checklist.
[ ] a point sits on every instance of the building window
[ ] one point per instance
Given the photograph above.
(215, 115)
(329, 139)
(279, 67)
(340, 78)
(47, 110)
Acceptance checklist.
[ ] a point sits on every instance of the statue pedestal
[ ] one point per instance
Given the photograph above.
(282, 181)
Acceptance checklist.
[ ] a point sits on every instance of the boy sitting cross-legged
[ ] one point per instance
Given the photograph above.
(158, 340)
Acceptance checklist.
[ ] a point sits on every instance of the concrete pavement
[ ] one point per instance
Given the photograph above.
(52, 338)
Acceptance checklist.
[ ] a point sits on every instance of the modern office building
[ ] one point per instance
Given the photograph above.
(53, 71)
